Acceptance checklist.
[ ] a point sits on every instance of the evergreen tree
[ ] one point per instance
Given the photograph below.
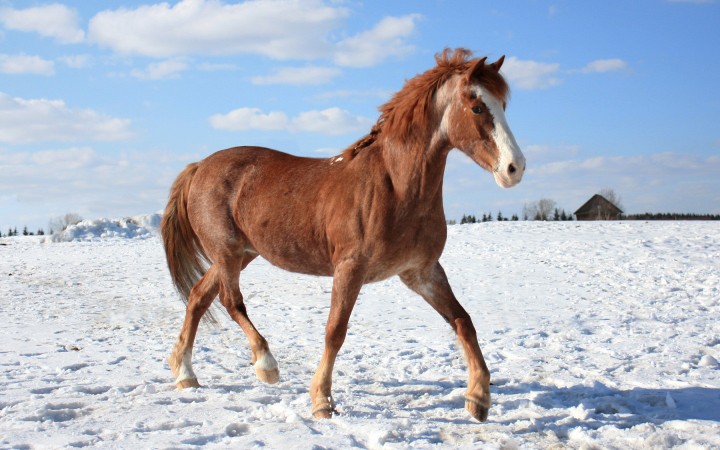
(40, 232)
(499, 216)
(515, 218)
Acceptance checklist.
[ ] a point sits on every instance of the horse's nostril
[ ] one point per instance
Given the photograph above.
(511, 168)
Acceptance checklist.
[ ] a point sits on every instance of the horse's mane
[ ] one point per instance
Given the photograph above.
(409, 111)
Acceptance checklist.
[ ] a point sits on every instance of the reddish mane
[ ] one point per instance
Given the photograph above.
(409, 111)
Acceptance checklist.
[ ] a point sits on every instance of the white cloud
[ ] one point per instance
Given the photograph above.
(216, 67)
(334, 121)
(77, 61)
(527, 74)
(26, 64)
(298, 76)
(281, 29)
(55, 21)
(41, 120)
(663, 165)
(278, 29)
(66, 159)
(92, 183)
(605, 65)
(330, 121)
(387, 39)
(170, 68)
(242, 119)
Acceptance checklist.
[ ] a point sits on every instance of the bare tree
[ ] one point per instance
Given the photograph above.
(606, 213)
(61, 223)
(611, 196)
(539, 210)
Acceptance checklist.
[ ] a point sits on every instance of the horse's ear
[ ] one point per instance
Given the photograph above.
(477, 65)
(498, 64)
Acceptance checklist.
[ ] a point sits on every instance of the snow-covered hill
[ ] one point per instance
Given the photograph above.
(597, 335)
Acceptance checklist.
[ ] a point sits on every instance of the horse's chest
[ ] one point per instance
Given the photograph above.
(411, 250)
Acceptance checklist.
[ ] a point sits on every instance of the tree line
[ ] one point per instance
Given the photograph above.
(25, 232)
(58, 224)
(669, 216)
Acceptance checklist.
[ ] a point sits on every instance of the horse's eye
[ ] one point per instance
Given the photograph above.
(477, 110)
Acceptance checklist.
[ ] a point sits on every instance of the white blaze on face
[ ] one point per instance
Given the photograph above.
(510, 154)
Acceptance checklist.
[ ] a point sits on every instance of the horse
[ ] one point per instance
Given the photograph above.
(370, 213)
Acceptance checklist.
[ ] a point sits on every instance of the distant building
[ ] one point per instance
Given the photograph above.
(598, 208)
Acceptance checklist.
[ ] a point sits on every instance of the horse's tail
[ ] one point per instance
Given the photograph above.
(186, 258)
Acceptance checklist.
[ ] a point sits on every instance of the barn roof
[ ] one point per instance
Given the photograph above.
(596, 200)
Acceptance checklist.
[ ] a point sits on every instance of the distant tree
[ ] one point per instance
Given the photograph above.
(611, 196)
(61, 223)
(539, 210)
(484, 218)
(556, 215)
(563, 216)
(515, 218)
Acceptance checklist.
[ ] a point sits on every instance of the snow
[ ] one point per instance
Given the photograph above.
(597, 335)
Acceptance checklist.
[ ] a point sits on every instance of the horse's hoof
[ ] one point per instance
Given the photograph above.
(271, 376)
(187, 383)
(324, 412)
(477, 409)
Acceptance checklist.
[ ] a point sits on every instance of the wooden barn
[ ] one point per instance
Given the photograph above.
(598, 208)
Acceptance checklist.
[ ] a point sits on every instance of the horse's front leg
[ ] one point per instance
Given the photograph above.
(347, 281)
(433, 286)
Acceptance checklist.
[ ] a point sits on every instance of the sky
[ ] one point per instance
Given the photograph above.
(103, 103)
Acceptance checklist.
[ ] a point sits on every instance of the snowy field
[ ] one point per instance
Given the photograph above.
(597, 335)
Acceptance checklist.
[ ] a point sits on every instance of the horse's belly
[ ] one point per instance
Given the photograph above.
(293, 258)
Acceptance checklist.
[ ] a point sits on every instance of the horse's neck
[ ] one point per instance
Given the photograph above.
(417, 165)
(417, 169)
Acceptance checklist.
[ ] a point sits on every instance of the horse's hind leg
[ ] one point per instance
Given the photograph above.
(266, 367)
(433, 286)
(200, 299)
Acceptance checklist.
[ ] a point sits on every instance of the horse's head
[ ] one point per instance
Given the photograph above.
(476, 122)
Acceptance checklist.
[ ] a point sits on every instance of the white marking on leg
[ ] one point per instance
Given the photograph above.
(266, 362)
(185, 371)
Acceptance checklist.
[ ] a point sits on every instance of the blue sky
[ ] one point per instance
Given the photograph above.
(103, 103)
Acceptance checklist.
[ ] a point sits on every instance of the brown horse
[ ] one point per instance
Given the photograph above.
(370, 213)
